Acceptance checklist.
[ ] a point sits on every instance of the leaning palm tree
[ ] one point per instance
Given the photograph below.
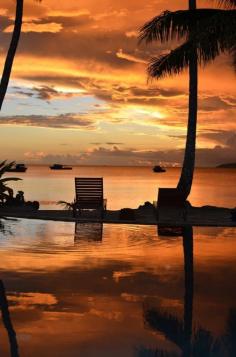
(207, 33)
(12, 51)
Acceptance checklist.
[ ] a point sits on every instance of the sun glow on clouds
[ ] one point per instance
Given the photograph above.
(121, 54)
(79, 66)
(34, 27)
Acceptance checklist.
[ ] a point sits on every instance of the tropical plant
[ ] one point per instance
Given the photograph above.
(67, 205)
(206, 34)
(5, 191)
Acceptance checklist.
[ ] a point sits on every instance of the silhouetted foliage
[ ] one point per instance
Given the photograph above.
(5, 191)
(206, 34)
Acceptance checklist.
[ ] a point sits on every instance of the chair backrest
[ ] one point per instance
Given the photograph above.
(170, 197)
(89, 188)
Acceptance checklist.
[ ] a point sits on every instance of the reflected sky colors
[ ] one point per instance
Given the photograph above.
(79, 89)
(80, 291)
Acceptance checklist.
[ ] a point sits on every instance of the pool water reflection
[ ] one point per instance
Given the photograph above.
(117, 290)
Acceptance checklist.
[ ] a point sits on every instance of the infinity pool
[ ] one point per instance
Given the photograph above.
(117, 290)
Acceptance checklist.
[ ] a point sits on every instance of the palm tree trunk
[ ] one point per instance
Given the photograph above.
(186, 178)
(12, 51)
(189, 288)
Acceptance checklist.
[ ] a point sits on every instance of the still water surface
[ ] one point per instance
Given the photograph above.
(127, 186)
(118, 290)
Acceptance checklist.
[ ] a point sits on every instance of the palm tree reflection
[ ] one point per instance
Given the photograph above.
(230, 335)
(197, 343)
(6, 318)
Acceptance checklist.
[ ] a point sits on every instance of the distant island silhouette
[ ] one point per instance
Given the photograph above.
(231, 165)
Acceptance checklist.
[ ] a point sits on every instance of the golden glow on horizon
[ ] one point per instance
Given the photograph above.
(83, 56)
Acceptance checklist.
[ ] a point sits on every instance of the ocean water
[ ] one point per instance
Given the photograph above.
(116, 290)
(127, 186)
(95, 290)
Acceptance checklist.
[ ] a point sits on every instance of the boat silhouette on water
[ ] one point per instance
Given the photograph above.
(158, 168)
(60, 167)
(17, 168)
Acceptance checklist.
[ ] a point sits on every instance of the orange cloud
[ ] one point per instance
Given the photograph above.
(34, 27)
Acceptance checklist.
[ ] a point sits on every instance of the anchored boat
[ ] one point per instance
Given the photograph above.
(17, 168)
(158, 168)
(60, 167)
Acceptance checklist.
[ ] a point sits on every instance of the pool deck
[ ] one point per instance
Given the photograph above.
(196, 216)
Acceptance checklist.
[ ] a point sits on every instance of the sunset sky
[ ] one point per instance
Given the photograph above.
(79, 93)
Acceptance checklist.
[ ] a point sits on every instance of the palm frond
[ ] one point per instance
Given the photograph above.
(169, 325)
(67, 205)
(2, 163)
(10, 179)
(213, 33)
(207, 46)
(221, 27)
(4, 167)
(227, 3)
(177, 24)
(171, 63)
(162, 28)
(204, 344)
(3, 196)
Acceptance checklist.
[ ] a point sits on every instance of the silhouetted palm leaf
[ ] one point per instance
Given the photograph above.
(148, 352)
(228, 3)
(10, 179)
(4, 166)
(67, 205)
(230, 336)
(169, 325)
(178, 24)
(3, 163)
(213, 32)
(172, 63)
(204, 344)
(6, 191)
